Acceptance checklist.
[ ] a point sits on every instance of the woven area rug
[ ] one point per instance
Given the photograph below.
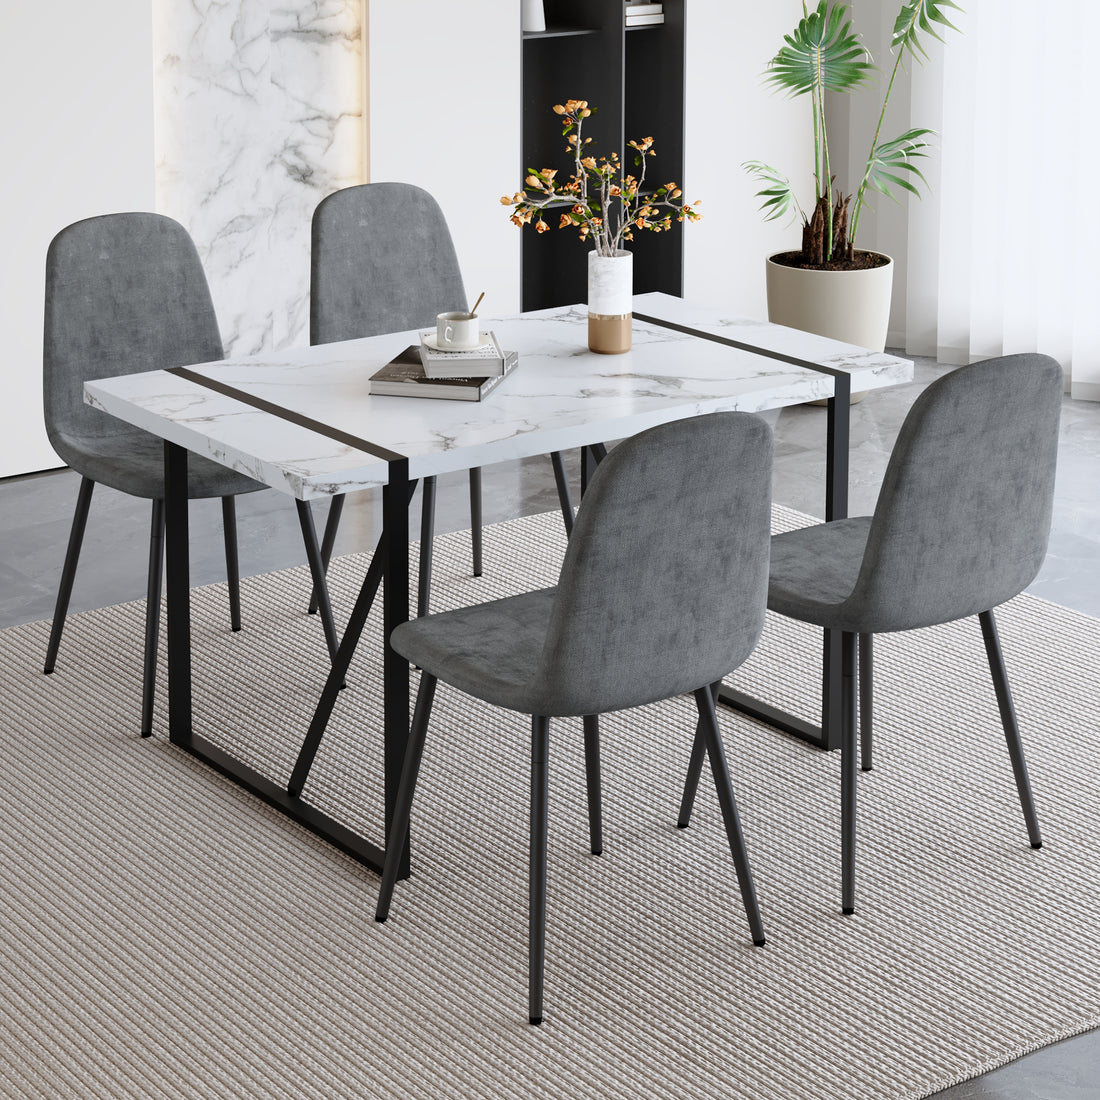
(167, 936)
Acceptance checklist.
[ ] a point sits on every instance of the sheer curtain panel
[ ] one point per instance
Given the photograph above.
(1004, 254)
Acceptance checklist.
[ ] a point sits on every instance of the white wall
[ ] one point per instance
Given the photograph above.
(731, 118)
(448, 120)
(78, 141)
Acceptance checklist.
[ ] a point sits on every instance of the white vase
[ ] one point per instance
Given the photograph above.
(532, 16)
(610, 289)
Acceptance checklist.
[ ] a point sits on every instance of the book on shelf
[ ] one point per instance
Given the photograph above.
(403, 376)
(644, 20)
(642, 8)
(484, 361)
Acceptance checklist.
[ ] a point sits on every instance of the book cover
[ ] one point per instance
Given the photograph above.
(485, 361)
(633, 20)
(404, 376)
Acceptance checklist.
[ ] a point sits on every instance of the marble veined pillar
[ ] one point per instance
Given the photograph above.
(258, 116)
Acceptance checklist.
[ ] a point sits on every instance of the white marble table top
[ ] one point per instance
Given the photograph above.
(559, 397)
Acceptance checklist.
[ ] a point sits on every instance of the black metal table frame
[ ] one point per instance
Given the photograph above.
(390, 569)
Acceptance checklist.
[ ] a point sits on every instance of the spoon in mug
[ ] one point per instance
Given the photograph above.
(473, 311)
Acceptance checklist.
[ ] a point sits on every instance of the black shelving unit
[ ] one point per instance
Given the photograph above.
(634, 77)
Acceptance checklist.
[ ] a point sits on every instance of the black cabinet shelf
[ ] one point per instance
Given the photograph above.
(636, 84)
(558, 32)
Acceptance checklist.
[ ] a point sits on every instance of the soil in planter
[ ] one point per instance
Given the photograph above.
(860, 261)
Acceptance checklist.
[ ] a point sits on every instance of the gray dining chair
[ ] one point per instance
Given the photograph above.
(383, 261)
(126, 293)
(661, 592)
(960, 526)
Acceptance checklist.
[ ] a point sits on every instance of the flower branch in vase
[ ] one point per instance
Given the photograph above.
(606, 205)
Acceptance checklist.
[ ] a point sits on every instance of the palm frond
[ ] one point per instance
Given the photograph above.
(916, 17)
(823, 52)
(778, 195)
(890, 160)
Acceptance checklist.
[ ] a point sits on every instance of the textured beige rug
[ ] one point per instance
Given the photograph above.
(164, 935)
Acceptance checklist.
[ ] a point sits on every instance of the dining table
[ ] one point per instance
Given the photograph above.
(302, 421)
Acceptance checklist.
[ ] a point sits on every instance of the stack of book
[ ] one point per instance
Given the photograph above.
(426, 371)
(640, 14)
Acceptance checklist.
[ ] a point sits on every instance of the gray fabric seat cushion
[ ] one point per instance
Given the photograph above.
(490, 651)
(814, 570)
(133, 462)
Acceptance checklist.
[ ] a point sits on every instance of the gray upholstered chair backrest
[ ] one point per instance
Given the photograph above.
(124, 293)
(964, 511)
(664, 582)
(382, 261)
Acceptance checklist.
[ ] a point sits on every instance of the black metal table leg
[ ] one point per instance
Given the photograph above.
(352, 632)
(395, 610)
(181, 734)
(317, 571)
(177, 592)
(827, 734)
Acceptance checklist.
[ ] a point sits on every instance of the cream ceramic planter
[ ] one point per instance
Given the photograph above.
(853, 306)
(610, 288)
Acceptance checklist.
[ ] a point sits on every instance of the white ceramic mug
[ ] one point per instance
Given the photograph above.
(457, 331)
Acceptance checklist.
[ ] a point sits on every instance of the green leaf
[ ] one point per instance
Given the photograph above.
(823, 53)
(778, 195)
(918, 16)
(890, 158)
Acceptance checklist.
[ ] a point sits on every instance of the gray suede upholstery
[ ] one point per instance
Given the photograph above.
(382, 261)
(661, 591)
(962, 518)
(125, 293)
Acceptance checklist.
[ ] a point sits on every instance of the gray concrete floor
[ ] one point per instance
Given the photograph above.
(35, 513)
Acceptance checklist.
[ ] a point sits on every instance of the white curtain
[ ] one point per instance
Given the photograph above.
(1004, 253)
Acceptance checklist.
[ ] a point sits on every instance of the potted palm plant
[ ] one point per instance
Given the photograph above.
(828, 286)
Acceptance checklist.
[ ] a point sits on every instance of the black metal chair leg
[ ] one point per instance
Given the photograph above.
(564, 498)
(1011, 727)
(402, 810)
(708, 720)
(694, 770)
(68, 571)
(691, 780)
(592, 775)
(475, 517)
(848, 768)
(540, 741)
(591, 456)
(866, 699)
(588, 468)
(313, 556)
(328, 541)
(427, 544)
(152, 616)
(232, 567)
